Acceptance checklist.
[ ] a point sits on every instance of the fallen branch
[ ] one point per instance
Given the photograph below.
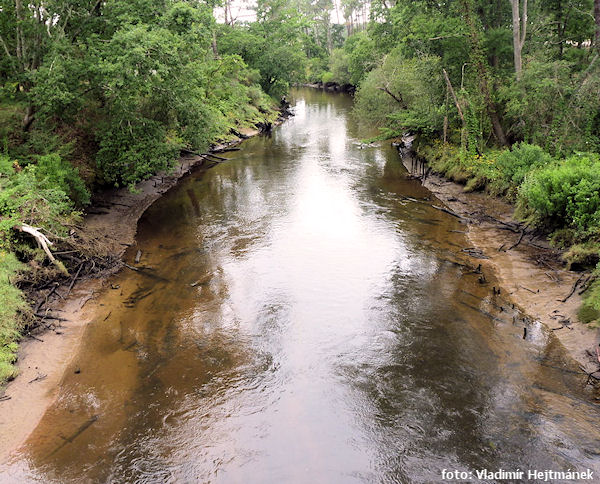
(573, 289)
(40, 377)
(527, 289)
(43, 242)
(518, 241)
(74, 279)
(450, 212)
(49, 316)
(147, 273)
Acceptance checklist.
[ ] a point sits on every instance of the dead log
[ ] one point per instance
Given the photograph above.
(220, 158)
(203, 155)
(49, 316)
(226, 149)
(146, 272)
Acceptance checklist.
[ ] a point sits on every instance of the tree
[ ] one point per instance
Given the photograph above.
(519, 24)
(597, 21)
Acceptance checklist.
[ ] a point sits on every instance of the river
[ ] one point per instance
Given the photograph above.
(306, 315)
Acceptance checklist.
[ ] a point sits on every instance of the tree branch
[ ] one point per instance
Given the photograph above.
(43, 242)
(396, 98)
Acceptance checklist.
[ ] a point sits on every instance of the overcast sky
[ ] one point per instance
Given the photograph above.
(243, 11)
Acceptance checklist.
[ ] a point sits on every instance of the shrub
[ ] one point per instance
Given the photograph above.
(54, 172)
(327, 77)
(514, 164)
(565, 194)
(24, 198)
(339, 67)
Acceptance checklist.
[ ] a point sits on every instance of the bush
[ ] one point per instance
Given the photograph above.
(565, 194)
(513, 165)
(25, 198)
(327, 77)
(54, 172)
(339, 67)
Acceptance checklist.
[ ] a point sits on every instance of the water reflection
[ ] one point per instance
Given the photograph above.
(301, 320)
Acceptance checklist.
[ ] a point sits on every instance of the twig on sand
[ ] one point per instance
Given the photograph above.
(572, 289)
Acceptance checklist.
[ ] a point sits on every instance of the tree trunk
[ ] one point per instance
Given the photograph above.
(28, 118)
(480, 63)
(214, 45)
(597, 19)
(519, 33)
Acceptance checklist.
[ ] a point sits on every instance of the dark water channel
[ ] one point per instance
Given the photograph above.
(306, 322)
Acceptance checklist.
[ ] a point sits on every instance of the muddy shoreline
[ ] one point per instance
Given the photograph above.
(44, 356)
(529, 270)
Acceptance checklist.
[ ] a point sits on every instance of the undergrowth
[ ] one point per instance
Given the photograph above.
(560, 197)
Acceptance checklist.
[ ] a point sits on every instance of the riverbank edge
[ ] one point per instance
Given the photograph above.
(331, 87)
(44, 357)
(531, 271)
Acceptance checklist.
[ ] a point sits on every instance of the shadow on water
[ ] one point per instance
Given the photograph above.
(307, 322)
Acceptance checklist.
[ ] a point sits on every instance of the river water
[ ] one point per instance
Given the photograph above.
(307, 316)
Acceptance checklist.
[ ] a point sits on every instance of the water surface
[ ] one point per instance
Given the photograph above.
(306, 315)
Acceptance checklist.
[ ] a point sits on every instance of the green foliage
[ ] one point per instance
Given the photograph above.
(11, 303)
(402, 94)
(565, 194)
(362, 56)
(30, 196)
(339, 64)
(512, 166)
(52, 171)
(555, 107)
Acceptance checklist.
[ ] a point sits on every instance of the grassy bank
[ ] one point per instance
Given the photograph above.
(559, 197)
(49, 193)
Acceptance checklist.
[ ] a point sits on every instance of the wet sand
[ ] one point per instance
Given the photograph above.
(538, 288)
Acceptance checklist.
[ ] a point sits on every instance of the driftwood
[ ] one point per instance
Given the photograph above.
(518, 241)
(450, 212)
(226, 149)
(572, 289)
(49, 316)
(146, 272)
(77, 433)
(527, 289)
(220, 158)
(585, 285)
(203, 155)
(73, 280)
(43, 242)
(40, 377)
(474, 252)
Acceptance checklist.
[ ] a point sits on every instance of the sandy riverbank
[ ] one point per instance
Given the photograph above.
(530, 272)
